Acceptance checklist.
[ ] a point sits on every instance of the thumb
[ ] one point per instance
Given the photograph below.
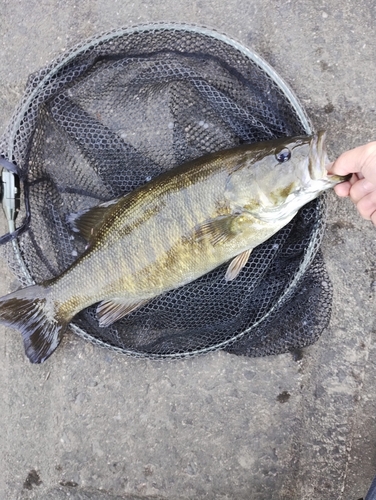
(361, 160)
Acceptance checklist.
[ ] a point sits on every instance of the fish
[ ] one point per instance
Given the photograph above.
(170, 231)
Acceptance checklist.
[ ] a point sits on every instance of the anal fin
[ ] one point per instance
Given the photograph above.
(237, 264)
(110, 311)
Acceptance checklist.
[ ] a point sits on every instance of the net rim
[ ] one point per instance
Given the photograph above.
(78, 50)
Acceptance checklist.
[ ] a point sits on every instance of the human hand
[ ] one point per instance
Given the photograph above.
(361, 188)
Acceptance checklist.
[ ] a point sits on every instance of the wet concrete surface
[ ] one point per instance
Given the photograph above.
(93, 424)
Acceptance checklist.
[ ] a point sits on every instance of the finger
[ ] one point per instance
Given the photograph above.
(343, 189)
(373, 218)
(367, 205)
(355, 178)
(361, 159)
(360, 189)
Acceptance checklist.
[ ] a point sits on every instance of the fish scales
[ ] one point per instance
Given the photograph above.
(170, 231)
(132, 241)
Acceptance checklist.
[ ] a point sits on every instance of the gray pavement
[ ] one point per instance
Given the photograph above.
(93, 424)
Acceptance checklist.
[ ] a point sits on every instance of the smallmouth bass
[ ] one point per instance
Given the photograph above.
(170, 231)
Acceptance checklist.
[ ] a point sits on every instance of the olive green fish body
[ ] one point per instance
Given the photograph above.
(166, 234)
(170, 231)
(146, 244)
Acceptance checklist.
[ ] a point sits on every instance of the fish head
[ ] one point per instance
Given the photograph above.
(289, 173)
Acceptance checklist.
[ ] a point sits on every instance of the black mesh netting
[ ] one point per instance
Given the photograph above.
(119, 110)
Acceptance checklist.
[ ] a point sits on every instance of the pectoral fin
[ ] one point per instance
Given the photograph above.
(110, 311)
(218, 230)
(237, 264)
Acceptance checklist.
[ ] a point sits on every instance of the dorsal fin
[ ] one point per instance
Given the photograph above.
(87, 222)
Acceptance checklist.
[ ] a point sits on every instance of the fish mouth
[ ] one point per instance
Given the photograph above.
(318, 159)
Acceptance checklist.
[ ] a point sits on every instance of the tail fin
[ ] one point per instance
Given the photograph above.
(33, 313)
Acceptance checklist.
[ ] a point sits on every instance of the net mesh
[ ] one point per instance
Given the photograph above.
(126, 106)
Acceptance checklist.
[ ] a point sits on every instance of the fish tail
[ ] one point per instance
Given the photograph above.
(32, 311)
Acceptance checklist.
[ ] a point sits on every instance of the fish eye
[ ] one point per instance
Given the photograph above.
(283, 155)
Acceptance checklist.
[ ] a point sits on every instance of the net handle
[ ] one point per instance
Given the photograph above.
(10, 199)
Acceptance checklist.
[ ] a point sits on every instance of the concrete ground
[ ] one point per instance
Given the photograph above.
(92, 424)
